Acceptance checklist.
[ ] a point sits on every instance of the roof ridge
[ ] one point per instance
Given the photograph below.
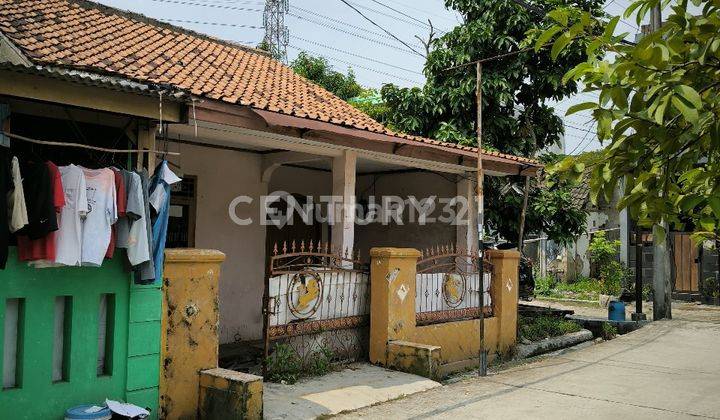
(88, 4)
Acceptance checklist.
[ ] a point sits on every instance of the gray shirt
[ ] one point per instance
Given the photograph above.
(145, 272)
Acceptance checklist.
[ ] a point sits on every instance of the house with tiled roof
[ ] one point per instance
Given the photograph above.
(237, 126)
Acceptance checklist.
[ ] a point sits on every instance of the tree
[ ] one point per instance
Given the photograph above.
(658, 112)
(318, 70)
(516, 88)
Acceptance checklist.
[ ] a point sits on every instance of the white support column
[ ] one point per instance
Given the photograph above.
(343, 176)
(467, 233)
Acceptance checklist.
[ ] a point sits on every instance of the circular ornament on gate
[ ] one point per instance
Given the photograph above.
(454, 288)
(305, 294)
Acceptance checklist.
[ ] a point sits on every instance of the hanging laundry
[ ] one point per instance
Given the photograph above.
(44, 248)
(69, 237)
(145, 272)
(121, 200)
(16, 200)
(160, 201)
(5, 186)
(132, 230)
(102, 213)
(37, 187)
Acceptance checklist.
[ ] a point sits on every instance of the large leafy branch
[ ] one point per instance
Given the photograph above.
(658, 112)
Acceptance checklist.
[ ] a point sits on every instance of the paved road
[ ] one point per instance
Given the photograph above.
(667, 370)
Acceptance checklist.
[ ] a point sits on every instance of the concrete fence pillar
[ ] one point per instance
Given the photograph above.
(189, 342)
(504, 289)
(392, 298)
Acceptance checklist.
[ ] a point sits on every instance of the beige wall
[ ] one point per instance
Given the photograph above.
(221, 176)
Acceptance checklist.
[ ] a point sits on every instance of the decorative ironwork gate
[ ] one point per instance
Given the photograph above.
(316, 300)
(448, 285)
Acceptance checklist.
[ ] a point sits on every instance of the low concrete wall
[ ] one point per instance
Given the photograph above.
(392, 315)
(226, 394)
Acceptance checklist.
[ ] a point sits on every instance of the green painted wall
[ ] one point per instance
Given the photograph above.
(135, 336)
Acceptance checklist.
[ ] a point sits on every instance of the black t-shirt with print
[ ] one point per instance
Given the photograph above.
(37, 187)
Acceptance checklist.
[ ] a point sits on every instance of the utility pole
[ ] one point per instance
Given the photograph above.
(277, 35)
(662, 270)
(482, 368)
(638, 315)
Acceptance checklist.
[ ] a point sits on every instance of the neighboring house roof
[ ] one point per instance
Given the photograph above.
(86, 78)
(580, 193)
(88, 36)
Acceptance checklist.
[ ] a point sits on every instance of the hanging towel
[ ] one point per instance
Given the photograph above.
(17, 209)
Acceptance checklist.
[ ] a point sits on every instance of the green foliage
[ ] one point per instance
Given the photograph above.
(320, 362)
(370, 102)
(604, 253)
(608, 331)
(709, 287)
(283, 365)
(516, 117)
(318, 70)
(658, 111)
(582, 289)
(541, 327)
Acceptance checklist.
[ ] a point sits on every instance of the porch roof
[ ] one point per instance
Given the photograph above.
(83, 35)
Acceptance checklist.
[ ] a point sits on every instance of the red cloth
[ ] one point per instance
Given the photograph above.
(121, 203)
(44, 248)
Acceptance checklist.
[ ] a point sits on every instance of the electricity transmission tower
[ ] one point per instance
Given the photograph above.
(277, 34)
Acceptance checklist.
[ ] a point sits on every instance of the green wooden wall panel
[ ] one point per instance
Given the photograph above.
(146, 398)
(143, 372)
(145, 305)
(144, 338)
(39, 288)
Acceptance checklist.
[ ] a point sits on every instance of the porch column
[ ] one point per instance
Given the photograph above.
(467, 233)
(343, 187)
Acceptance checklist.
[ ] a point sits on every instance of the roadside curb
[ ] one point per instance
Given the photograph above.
(548, 345)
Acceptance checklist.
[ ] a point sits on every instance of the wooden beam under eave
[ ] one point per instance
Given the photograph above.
(74, 94)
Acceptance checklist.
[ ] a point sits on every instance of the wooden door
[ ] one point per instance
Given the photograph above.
(686, 269)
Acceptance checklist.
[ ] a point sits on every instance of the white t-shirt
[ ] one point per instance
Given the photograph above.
(68, 239)
(102, 213)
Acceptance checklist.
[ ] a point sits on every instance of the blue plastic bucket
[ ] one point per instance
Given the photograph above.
(616, 311)
(88, 412)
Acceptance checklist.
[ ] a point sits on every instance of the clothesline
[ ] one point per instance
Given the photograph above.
(85, 146)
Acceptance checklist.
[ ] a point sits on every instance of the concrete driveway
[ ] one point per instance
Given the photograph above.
(666, 370)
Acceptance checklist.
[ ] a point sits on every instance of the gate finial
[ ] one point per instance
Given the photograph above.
(284, 247)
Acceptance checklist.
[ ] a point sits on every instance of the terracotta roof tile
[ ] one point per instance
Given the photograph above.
(85, 34)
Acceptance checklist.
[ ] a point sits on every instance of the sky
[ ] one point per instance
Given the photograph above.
(333, 30)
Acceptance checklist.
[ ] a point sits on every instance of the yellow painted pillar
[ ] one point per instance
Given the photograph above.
(504, 289)
(392, 302)
(189, 328)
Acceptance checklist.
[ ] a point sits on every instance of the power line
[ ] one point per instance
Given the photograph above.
(383, 29)
(335, 28)
(422, 24)
(356, 65)
(425, 25)
(407, 6)
(234, 25)
(215, 6)
(310, 12)
(356, 55)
